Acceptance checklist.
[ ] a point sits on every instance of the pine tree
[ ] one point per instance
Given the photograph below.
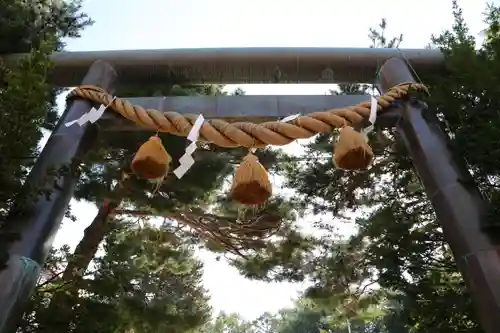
(227, 322)
(146, 281)
(398, 259)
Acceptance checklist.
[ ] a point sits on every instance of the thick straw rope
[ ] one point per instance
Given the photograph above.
(245, 134)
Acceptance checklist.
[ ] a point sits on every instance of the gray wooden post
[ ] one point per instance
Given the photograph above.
(455, 197)
(39, 227)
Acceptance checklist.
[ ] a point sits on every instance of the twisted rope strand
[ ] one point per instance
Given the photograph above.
(245, 134)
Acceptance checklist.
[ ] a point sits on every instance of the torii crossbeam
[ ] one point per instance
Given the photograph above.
(241, 65)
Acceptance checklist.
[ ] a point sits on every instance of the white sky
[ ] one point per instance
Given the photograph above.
(161, 24)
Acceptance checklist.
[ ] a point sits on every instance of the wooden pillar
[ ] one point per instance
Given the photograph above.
(39, 225)
(456, 199)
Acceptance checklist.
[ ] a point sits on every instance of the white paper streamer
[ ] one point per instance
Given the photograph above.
(195, 131)
(191, 148)
(182, 169)
(187, 161)
(95, 115)
(92, 116)
(373, 116)
(290, 118)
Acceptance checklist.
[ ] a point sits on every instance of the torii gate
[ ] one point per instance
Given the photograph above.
(455, 198)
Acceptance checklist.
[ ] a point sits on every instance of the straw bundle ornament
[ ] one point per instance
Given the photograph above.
(352, 151)
(251, 185)
(151, 161)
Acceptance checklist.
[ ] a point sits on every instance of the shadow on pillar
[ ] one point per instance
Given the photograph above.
(455, 197)
(39, 226)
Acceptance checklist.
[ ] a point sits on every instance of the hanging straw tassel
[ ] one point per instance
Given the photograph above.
(251, 184)
(352, 151)
(151, 160)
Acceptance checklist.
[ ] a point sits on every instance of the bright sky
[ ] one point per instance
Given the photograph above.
(162, 24)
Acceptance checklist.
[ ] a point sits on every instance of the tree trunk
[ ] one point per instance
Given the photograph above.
(87, 248)
(60, 311)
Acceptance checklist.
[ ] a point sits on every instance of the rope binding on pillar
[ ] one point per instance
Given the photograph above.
(251, 182)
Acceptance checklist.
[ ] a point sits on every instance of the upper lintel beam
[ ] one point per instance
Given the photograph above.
(241, 65)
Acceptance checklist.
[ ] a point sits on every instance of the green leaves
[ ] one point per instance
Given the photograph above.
(145, 282)
(397, 264)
